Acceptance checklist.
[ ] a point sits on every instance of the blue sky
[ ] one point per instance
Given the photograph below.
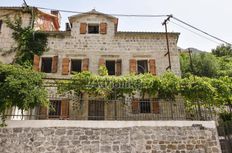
(212, 16)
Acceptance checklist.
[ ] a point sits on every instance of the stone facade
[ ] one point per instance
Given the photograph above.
(135, 139)
(111, 45)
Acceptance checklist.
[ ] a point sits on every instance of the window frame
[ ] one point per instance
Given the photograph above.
(93, 25)
(137, 66)
(81, 65)
(41, 66)
(114, 66)
(145, 110)
(57, 113)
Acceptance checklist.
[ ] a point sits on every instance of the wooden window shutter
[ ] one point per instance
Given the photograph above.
(64, 109)
(83, 27)
(118, 67)
(85, 65)
(152, 66)
(54, 64)
(103, 28)
(155, 107)
(36, 63)
(43, 112)
(101, 62)
(132, 65)
(65, 66)
(135, 106)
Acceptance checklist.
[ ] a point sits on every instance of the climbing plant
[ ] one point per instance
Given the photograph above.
(28, 41)
(21, 87)
(214, 92)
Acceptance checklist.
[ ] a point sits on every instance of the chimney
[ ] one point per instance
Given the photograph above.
(67, 27)
(55, 12)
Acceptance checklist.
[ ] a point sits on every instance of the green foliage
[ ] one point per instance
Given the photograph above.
(225, 66)
(223, 50)
(102, 71)
(206, 65)
(197, 89)
(20, 87)
(28, 41)
(169, 86)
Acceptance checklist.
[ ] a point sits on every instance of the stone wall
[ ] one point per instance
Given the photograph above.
(109, 137)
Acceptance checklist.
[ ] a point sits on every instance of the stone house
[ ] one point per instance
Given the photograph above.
(91, 40)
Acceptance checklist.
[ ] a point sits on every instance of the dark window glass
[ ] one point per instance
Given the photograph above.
(0, 25)
(55, 109)
(145, 106)
(75, 66)
(46, 65)
(94, 29)
(110, 65)
(142, 66)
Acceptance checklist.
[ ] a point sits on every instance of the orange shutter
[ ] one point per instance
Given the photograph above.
(155, 107)
(65, 66)
(54, 64)
(118, 67)
(36, 63)
(132, 65)
(103, 28)
(83, 27)
(43, 112)
(85, 65)
(135, 106)
(101, 62)
(152, 66)
(64, 109)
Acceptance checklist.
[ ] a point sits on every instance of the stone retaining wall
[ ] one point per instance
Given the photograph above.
(135, 139)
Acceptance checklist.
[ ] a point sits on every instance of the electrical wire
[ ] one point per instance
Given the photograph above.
(195, 32)
(123, 15)
(183, 22)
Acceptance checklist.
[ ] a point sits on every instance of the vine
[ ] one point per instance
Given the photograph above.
(214, 92)
(29, 42)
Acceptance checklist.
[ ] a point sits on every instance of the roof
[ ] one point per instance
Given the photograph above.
(92, 12)
(29, 9)
(142, 32)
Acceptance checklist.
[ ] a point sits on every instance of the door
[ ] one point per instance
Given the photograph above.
(96, 110)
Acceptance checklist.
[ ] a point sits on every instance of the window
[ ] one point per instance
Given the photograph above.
(145, 106)
(142, 66)
(46, 65)
(93, 28)
(76, 65)
(110, 65)
(55, 109)
(0, 25)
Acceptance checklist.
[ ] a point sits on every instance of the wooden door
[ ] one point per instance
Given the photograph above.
(96, 110)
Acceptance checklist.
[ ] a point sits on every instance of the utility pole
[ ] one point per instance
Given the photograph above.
(167, 40)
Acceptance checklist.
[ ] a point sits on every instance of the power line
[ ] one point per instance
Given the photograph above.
(183, 22)
(25, 3)
(195, 32)
(123, 15)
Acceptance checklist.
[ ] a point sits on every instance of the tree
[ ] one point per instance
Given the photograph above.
(20, 87)
(222, 50)
(203, 64)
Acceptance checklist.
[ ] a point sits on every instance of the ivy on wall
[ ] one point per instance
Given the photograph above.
(29, 41)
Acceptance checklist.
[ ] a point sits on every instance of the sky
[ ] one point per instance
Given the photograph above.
(212, 16)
